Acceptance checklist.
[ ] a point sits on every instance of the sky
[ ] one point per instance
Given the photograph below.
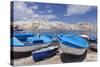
(67, 13)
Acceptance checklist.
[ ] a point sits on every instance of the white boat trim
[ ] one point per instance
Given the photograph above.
(76, 51)
(46, 49)
(85, 36)
(29, 48)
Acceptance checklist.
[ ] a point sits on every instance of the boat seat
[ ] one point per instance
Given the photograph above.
(38, 41)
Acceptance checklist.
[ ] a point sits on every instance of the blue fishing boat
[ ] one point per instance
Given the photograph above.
(32, 43)
(92, 38)
(40, 41)
(93, 42)
(22, 35)
(44, 53)
(72, 44)
(29, 45)
(19, 49)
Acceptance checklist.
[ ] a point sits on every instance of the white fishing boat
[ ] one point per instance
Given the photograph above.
(86, 37)
(33, 43)
(72, 44)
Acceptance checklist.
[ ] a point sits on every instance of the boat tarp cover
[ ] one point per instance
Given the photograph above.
(16, 42)
(75, 40)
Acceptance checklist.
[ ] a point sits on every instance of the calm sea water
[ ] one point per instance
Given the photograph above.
(79, 32)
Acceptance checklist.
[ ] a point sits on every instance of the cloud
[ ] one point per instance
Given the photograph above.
(48, 6)
(35, 7)
(49, 16)
(77, 9)
(45, 16)
(22, 12)
(49, 11)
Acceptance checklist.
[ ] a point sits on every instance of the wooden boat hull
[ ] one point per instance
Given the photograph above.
(72, 44)
(29, 48)
(38, 56)
(18, 55)
(69, 58)
(71, 50)
(20, 52)
(92, 41)
(93, 47)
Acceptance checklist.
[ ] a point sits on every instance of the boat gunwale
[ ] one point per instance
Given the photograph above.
(60, 40)
(46, 49)
(30, 44)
